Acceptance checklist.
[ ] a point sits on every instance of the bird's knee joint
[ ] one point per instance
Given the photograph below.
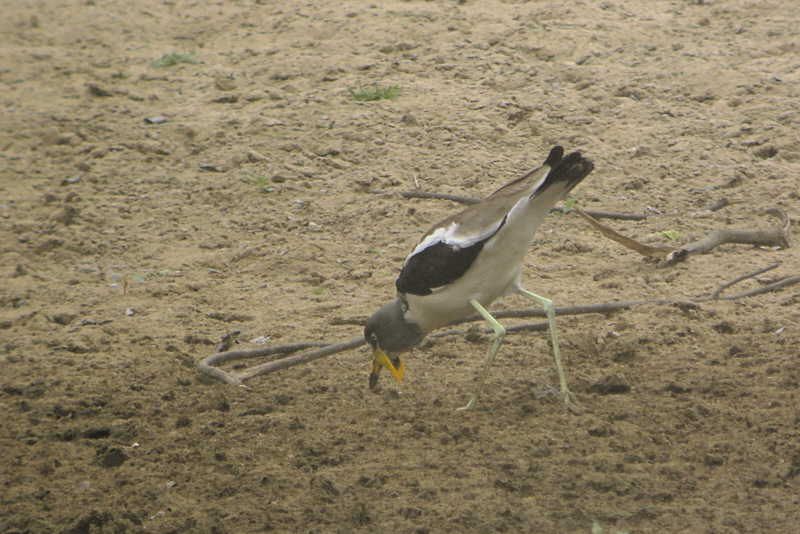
(549, 311)
(499, 331)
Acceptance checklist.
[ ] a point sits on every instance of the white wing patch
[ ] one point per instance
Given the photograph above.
(450, 235)
(443, 233)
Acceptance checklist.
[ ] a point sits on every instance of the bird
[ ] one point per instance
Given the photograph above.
(465, 262)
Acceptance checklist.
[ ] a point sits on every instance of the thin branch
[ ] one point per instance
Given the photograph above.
(428, 195)
(608, 307)
(291, 361)
(786, 282)
(473, 200)
(641, 248)
(725, 286)
(206, 365)
(604, 214)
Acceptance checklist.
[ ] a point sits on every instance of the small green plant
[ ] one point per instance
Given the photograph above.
(672, 235)
(263, 184)
(174, 58)
(370, 94)
(260, 181)
(566, 206)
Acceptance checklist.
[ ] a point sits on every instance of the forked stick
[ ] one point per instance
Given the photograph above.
(773, 237)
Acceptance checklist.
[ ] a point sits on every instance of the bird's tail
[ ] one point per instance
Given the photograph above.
(565, 171)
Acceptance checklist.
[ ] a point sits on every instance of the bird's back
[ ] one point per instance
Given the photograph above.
(478, 252)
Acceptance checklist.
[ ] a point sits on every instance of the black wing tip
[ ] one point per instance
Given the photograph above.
(553, 159)
(569, 170)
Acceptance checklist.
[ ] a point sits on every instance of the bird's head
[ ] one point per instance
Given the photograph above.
(389, 334)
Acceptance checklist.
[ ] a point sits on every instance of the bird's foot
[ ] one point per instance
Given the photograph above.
(473, 398)
(570, 402)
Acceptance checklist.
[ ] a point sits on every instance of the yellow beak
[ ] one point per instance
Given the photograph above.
(380, 360)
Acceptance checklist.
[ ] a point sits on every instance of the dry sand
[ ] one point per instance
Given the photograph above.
(129, 248)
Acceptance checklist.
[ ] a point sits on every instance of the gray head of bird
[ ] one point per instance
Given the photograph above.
(389, 334)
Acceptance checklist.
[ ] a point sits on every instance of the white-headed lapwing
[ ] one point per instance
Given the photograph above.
(470, 259)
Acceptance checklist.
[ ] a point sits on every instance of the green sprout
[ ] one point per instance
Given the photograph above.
(371, 94)
(672, 235)
(569, 204)
(260, 181)
(174, 58)
(263, 184)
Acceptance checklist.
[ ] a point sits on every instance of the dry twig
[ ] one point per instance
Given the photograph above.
(641, 248)
(472, 200)
(773, 237)
(725, 286)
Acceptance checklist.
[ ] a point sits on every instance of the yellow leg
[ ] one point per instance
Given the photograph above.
(499, 333)
(547, 304)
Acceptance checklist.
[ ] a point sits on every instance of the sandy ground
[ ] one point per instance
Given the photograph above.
(130, 247)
